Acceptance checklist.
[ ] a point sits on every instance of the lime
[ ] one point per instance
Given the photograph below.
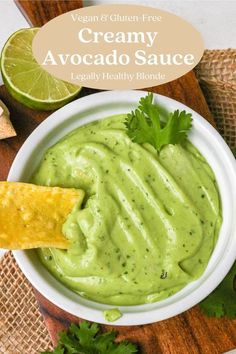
(24, 78)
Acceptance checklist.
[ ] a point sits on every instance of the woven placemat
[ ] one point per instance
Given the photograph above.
(22, 329)
(216, 73)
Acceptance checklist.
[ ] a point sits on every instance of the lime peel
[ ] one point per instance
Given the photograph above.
(26, 81)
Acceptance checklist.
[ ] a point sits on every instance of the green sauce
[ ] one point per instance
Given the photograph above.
(112, 315)
(149, 222)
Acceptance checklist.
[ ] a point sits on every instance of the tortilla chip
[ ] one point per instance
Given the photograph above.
(6, 127)
(32, 216)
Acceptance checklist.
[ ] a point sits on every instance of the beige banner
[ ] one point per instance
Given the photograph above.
(118, 47)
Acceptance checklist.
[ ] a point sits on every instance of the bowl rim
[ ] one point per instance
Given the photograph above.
(86, 309)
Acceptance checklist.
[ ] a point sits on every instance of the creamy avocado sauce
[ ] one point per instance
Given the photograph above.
(112, 315)
(149, 221)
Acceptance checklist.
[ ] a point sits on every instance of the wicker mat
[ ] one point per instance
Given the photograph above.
(22, 329)
(217, 76)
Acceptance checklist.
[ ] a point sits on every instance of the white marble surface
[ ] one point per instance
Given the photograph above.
(1, 253)
(215, 20)
(11, 20)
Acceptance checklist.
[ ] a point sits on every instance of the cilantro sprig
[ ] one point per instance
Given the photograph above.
(144, 124)
(85, 338)
(222, 301)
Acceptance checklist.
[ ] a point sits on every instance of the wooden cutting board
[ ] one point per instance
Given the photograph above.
(190, 332)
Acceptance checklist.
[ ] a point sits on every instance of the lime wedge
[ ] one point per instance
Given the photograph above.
(26, 81)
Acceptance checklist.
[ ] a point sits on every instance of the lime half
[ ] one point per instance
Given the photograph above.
(26, 81)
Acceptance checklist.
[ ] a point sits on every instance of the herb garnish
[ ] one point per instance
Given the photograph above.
(144, 125)
(85, 339)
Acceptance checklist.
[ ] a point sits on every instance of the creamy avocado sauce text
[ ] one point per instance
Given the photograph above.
(149, 222)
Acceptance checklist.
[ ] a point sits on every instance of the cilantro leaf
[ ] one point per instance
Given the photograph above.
(144, 125)
(222, 301)
(84, 338)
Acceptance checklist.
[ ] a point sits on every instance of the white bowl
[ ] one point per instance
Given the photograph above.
(203, 136)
